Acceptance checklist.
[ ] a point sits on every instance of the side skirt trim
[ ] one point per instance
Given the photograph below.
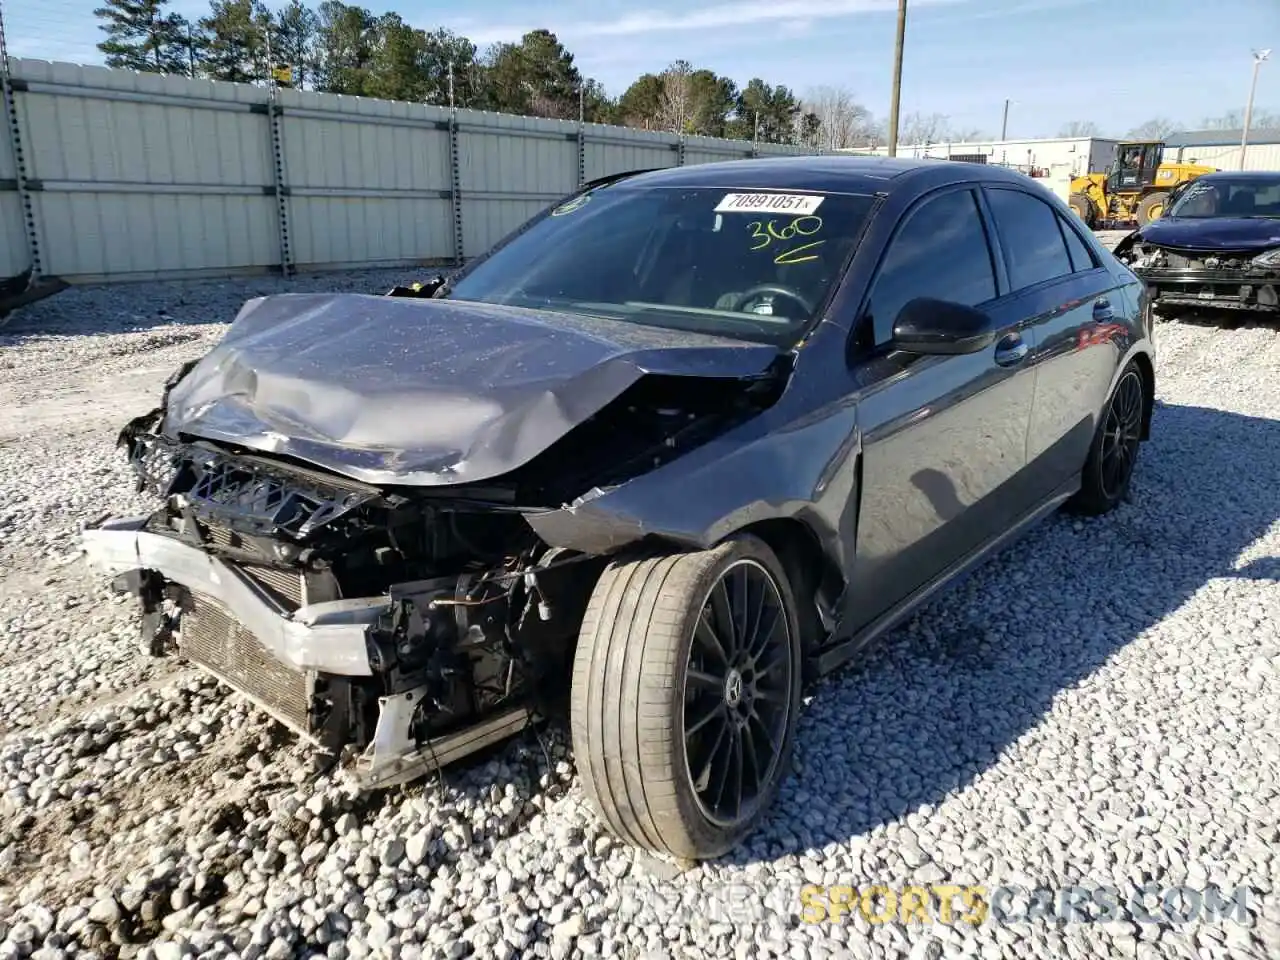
(833, 657)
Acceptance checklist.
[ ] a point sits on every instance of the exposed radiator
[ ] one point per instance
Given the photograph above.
(286, 585)
(215, 641)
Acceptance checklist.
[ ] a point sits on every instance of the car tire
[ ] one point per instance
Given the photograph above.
(1151, 207)
(1084, 209)
(645, 706)
(1108, 469)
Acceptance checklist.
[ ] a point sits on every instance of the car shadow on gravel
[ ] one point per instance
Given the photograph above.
(938, 701)
(98, 309)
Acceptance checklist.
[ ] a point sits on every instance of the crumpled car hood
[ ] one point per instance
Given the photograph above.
(411, 392)
(1213, 233)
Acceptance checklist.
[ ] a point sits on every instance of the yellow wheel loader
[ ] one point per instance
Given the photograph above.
(1136, 188)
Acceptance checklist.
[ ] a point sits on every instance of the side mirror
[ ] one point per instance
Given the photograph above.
(929, 326)
(423, 290)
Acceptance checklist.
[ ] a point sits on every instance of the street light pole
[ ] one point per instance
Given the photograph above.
(1258, 57)
(897, 78)
(1004, 124)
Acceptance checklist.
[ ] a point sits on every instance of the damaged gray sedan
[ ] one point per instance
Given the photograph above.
(676, 445)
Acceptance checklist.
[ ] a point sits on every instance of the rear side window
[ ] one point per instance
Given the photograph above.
(941, 251)
(1082, 257)
(1031, 238)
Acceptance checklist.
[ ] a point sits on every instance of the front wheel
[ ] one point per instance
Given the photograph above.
(1084, 209)
(1108, 470)
(1151, 207)
(686, 688)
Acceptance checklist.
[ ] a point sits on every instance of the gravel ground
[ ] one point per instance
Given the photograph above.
(1096, 707)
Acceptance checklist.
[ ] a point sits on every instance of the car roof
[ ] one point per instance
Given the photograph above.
(1237, 176)
(827, 173)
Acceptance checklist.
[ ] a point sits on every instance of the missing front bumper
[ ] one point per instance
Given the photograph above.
(1218, 291)
(285, 662)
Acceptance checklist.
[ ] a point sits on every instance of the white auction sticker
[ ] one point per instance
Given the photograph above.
(800, 204)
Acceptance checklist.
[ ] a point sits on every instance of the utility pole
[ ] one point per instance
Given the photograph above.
(896, 98)
(582, 103)
(1004, 124)
(1258, 57)
(452, 108)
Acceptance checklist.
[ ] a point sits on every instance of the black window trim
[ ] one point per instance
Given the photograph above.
(1064, 221)
(974, 188)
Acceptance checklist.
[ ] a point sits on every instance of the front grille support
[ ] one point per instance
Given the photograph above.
(327, 637)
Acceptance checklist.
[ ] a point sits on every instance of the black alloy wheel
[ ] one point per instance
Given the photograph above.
(737, 703)
(1108, 469)
(685, 695)
(1122, 432)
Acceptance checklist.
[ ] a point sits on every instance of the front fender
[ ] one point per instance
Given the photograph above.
(765, 469)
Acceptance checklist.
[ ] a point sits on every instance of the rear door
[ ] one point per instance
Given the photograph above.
(943, 437)
(1074, 305)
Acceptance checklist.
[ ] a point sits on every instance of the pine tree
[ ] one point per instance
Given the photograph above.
(142, 36)
(345, 41)
(235, 38)
(294, 42)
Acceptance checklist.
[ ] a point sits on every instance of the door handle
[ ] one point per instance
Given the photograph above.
(1012, 350)
(1102, 310)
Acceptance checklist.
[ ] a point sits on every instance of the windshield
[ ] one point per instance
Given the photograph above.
(1229, 197)
(751, 265)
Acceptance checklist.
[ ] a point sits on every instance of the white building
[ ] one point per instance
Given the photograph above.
(1221, 149)
(1053, 157)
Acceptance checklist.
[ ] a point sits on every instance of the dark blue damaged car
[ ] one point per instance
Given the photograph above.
(1217, 246)
(678, 444)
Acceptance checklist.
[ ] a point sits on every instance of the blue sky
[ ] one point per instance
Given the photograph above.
(1059, 60)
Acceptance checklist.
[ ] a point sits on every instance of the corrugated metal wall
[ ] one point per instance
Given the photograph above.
(1258, 156)
(139, 175)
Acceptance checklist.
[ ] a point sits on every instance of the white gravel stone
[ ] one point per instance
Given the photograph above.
(1096, 706)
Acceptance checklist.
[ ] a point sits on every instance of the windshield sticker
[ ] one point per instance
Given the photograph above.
(793, 203)
(767, 233)
(572, 206)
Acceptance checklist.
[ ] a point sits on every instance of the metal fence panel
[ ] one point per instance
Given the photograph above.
(144, 175)
(14, 257)
(139, 175)
(368, 180)
(611, 150)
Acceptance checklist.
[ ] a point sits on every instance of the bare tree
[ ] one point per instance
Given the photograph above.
(1079, 128)
(920, 128)
(1157, 128)
(1231, 120)
(842, 120)
(1234, 120)
(676, 105)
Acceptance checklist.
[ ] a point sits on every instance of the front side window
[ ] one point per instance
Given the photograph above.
(940, 252)
(753, 265)
(1031, 238)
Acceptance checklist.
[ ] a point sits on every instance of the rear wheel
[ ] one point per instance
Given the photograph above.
(1151, 207)
(1108, 469)
(686, 687)
(1084, 209)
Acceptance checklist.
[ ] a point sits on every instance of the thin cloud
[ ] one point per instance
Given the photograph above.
(708, 18)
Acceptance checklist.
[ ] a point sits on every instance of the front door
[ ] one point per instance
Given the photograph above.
(943, 436)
